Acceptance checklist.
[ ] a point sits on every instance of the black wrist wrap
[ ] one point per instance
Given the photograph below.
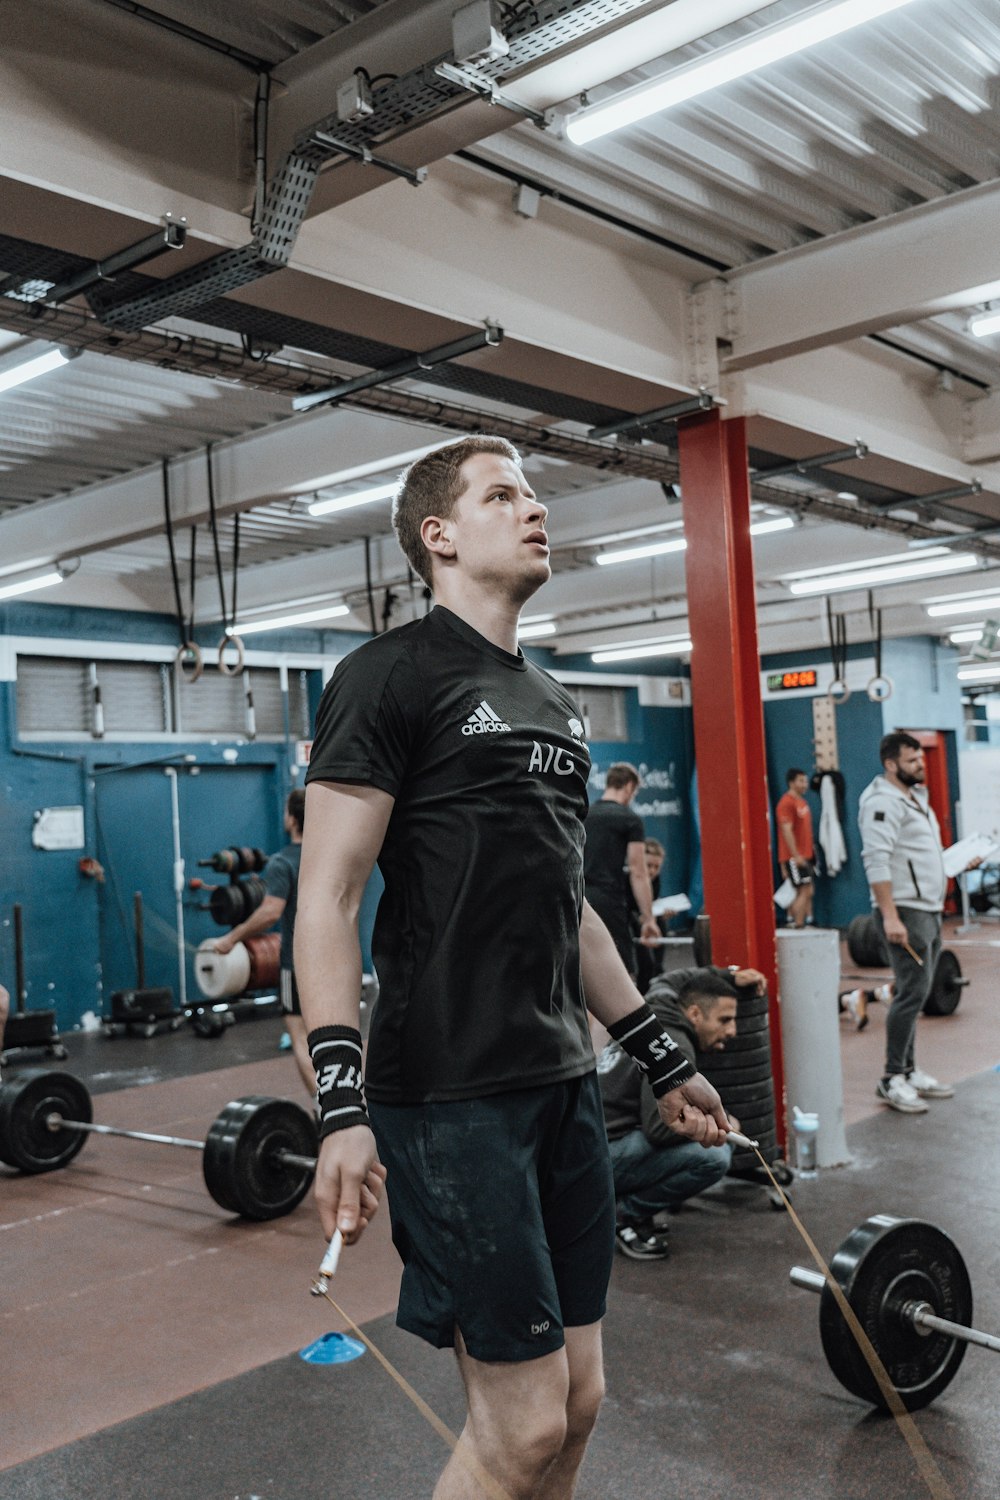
(336, 1056)
(651, 1048)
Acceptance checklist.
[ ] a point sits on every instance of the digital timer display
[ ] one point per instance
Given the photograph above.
(781, 682)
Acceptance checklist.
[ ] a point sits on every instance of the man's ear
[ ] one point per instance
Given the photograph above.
(435, 533)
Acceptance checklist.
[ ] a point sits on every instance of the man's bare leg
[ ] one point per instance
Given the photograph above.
(528, 1422)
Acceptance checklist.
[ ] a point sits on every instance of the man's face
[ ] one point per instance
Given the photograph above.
(654, 863)
(497, 528)
(909, 766)
(800, 785)
(715, 1029)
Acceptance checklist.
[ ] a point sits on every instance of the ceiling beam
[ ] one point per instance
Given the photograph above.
(880, 275)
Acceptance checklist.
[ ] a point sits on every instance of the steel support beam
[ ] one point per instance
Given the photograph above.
(728, 715)
(880, 275)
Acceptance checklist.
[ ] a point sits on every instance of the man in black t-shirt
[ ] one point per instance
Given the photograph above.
(458, 765)
(614, 863)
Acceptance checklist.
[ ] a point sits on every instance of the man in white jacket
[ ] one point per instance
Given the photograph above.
(901, 850)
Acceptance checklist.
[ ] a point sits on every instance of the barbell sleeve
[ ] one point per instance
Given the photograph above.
(920, 1315)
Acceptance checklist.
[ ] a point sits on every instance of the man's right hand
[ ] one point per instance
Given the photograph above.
(695, 1111)
(349, 1181)
(224, 944)
(895, 931)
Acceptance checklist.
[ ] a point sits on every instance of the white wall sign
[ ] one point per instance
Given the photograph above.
(58, 828)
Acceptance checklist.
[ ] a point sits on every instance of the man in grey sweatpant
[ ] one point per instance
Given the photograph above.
(901, 850)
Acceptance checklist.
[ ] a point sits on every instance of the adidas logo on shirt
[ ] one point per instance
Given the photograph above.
(485, 721)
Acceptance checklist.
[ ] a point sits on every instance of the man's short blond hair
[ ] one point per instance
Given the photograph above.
(432, 486)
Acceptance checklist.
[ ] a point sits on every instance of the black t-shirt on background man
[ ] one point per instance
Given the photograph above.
(610, 829)
(476, 940)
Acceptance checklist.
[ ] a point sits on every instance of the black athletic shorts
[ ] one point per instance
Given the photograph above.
(503, 1213)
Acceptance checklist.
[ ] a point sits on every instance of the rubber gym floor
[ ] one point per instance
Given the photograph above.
(151, 1342)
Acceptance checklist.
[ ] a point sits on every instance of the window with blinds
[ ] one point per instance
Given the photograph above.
(604, 711)
(55, 697)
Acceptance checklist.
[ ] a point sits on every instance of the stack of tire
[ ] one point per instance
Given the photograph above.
(868, 950)
(742, 1075)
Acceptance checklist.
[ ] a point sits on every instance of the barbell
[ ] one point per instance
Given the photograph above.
(258, 1157)
(909, 1288)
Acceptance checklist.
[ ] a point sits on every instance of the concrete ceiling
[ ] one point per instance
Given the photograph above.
(805, 244)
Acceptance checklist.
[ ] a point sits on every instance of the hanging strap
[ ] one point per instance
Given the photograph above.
(229, 636)
(188, 652)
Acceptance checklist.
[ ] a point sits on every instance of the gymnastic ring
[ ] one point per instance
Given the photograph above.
(880, 688)
(189, 656)
(237, 666)
(838, 692)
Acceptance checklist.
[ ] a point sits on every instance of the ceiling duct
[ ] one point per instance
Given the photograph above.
(398, 107)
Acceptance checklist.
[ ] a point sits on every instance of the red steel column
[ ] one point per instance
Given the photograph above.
(728, 713)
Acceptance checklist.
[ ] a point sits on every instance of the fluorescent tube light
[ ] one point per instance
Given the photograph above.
(959, 637)
(979, 674)
(767, 45)
(29, 585)
(679, 544)
(985, 323)
(283, 622)
(348, 502)
(874, 577)
(32, 368)
(649, 549)
(394, 463)
(527, 632)
(774, 523)
(959, 605)
(679, 646)
(860, 563)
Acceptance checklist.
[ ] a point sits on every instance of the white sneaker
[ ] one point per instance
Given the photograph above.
(928, 1087)
(901, 1095)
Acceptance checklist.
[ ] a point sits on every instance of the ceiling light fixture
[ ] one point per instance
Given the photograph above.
(985, 323)
(979, 674)
(285, 622)
(29, 585)
(875, 577)
(527, 632)
(964, 604)
(959, 637)
(32, 368)
(679, 544)
(767, 45)
(678, 646)
(392, 464)
(348, 502)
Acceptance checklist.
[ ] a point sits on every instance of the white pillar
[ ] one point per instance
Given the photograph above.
(809, 978)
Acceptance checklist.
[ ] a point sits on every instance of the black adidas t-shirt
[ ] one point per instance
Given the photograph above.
(476, 940)
(610, 829)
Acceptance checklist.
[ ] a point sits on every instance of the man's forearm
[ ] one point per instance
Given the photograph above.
(882, 891)
(608, 988)
(789, 833)
(328, 963)
(265, 917)
(642, 890)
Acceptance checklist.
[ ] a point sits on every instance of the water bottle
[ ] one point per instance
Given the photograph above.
(806, 1127)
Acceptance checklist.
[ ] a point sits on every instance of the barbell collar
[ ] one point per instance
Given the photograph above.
(56, 1122)
(926, 1320)
(809, 1281)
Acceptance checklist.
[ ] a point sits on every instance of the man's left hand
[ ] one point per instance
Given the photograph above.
(751, 976)
(695, 1111)
(974, 863)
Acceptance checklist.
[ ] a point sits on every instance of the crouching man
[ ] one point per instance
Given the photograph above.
(655, 1169)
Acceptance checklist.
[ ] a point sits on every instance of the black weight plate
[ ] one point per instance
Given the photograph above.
(241, 1166)
(946, 989)
(26, 1102)
(745, 1096)
(748, 1038)
(883, 1264)
(865, 944)
(726, 1062)
(737, 1078)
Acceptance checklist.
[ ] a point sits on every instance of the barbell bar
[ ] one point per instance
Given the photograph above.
(257, 1158)
(909, 1288)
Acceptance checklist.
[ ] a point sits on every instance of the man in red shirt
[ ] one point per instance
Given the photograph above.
(795, 845)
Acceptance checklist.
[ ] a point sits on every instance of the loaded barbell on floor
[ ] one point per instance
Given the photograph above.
(909, 1288)
(258, 1157)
